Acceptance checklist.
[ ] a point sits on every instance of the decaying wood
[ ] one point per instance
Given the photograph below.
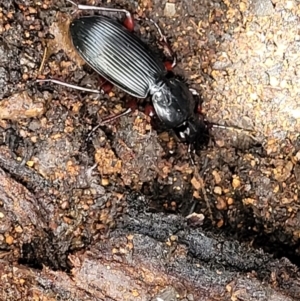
(146, 257)
(81, 215)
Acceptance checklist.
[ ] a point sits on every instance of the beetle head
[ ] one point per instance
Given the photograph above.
(176, 107)
(193, 131)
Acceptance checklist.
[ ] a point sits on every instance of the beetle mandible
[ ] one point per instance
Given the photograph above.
(122, 58)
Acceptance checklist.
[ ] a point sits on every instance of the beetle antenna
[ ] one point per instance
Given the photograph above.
(108, 120)
(190, 148)
(234, 128)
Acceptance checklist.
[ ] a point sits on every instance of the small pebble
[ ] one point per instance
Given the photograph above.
(65, 205)
(19, 229)
(273, 81)
(170, 10)
(216, 177)
(9, 240)
(218, 190)
(230, 201)
(105, 182)
(236, 183)
(221, 204)
(30, 163)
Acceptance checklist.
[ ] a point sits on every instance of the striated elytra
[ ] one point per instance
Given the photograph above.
(116, 54)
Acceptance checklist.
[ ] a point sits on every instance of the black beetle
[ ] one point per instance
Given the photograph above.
(123, 59)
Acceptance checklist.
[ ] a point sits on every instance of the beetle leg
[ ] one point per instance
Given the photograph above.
(59, 82)
(116, 116)
(167, 47)
(149, 110)
(128, 22)
(105, 85)
(107, 120)
(198, 103)
(191, 152)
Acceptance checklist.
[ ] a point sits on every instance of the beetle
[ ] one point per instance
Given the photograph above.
(123, 59)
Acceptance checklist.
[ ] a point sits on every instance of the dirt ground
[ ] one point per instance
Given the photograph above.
(65, 193)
